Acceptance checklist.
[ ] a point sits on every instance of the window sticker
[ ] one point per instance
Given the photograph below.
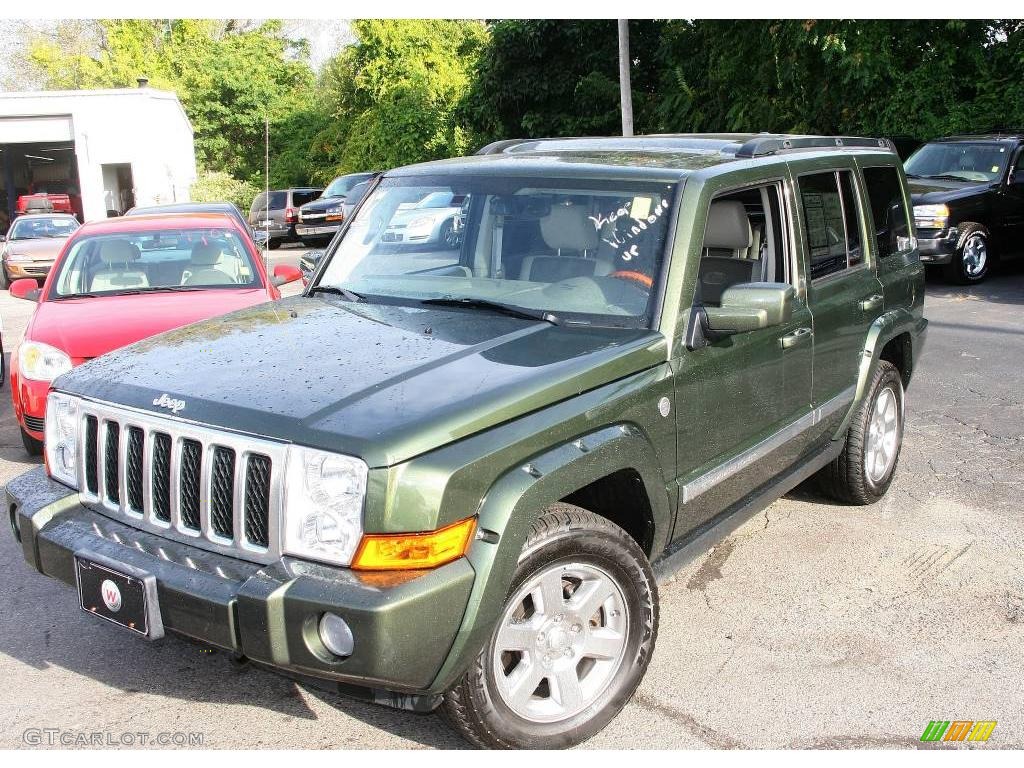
(641, 208)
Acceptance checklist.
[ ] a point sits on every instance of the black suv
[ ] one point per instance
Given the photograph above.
(968, 195)
(320, 219)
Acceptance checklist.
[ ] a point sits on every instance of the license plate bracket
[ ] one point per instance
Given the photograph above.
(119, 593)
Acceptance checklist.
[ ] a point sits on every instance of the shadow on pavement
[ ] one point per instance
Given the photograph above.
(1005, 285)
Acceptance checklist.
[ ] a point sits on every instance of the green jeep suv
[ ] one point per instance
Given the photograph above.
(450, 474)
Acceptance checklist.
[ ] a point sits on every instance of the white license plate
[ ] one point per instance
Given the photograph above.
(266, 223)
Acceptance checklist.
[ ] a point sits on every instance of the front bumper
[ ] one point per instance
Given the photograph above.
(317, 230)
(36, 269)
(404, 624)
(29, 403)
(937, 246)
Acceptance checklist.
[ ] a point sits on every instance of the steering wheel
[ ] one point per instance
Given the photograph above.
(637, 277)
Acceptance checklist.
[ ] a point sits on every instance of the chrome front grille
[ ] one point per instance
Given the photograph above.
(214, 489)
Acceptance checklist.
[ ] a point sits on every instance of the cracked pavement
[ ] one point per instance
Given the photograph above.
(812, 626)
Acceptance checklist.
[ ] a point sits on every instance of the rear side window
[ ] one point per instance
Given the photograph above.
(278, 200)
(831, 217)
(301, 198)
(888, 209)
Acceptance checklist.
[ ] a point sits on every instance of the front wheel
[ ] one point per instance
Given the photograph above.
(449, 236)
(575, 636)
(861, 474)
(972, 259)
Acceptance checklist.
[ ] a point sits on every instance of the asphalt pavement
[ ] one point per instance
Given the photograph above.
(813, 625)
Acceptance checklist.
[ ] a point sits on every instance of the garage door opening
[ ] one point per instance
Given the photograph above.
(38, 176)
(118, 188)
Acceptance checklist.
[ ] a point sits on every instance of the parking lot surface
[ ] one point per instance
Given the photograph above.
(812, 626)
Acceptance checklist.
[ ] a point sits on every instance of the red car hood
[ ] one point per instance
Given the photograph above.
(86, 328)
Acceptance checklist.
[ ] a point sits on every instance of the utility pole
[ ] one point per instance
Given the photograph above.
(625, 91)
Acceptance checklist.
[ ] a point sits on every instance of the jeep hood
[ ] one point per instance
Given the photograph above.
(382, 382)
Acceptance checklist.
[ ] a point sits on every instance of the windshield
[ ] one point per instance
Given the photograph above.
(156, 260)
(588, 251)
(343, 184)
(38, 228)
(958, 161)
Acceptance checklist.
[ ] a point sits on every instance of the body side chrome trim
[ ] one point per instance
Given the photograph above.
(738, 463)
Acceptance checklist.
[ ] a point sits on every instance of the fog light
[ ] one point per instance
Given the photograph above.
(335, 635)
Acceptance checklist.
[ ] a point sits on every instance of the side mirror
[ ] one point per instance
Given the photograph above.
(1016, 177)
(285, 273)
(26, 288)
(750, 307)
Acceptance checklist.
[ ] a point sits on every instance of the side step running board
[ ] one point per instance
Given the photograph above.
(696, 544)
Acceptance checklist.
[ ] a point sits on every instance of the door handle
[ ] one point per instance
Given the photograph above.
(874, 301)
(798, 336)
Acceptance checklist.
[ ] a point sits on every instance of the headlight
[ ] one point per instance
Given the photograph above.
(62, 438)
(931, 216)
(323, 505)
(41, 362)
(18, 258)
(334, 209)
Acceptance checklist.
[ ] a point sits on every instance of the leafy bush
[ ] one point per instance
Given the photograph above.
(216, 186)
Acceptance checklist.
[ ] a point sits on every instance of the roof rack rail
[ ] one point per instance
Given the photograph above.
(770, 144)
(497, 147)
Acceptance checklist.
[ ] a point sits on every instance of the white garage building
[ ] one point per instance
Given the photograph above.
(107, 149)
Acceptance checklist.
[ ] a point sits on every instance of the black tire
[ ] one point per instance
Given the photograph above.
(310, 243)
(32, 446)
(972, 244)
(273, 243)
(847, 479)
(5, 281)
(568, 536)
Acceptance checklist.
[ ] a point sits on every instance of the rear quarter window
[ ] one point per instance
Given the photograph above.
(889, 214)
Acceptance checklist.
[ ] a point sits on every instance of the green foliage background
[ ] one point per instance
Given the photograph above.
(409, 90)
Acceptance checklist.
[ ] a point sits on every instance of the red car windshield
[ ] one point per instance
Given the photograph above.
(155, 260)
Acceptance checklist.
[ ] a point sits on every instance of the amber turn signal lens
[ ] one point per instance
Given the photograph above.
(408, 551)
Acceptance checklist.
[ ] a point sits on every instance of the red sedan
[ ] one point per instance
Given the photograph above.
(120, 280)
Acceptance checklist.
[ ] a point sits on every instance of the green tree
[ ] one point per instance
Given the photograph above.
(560, 78)
(393, 96)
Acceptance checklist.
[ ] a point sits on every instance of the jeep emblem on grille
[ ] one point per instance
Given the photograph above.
(165, 401)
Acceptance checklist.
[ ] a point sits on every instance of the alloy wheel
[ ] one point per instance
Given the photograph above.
(560, 643)
(975, 256)
(883, 436)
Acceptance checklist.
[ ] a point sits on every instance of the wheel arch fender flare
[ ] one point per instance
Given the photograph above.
(884, 329)
(518, 497)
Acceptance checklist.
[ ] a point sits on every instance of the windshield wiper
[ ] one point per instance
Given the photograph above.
(944, 177)
(337, 290)
(76, 296)
(495, 306)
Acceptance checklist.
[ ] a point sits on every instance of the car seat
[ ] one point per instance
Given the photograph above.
(569, 232)
(117, 257)
(205, 256)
